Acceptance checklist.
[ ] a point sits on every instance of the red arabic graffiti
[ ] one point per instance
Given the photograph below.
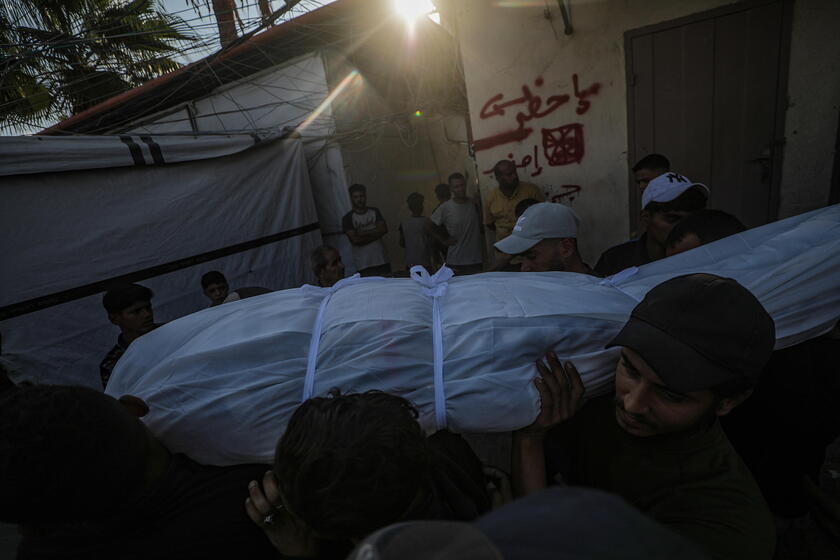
(533, 109)
(570, 192)
(561, 146)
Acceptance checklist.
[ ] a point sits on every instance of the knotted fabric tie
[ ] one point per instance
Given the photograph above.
(325, 294)
(436, 287)
(619, 278)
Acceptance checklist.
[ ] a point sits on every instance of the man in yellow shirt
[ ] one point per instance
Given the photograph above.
(500, 206)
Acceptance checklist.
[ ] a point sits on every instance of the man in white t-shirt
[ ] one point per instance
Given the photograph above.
(460, 217)
(365, 227)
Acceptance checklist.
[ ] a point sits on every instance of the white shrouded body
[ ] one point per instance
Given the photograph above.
(222, 383)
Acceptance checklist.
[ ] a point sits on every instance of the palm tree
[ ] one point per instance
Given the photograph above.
(60, 57)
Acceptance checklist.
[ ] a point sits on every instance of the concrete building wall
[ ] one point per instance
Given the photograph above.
(394, 152)
(507, 47)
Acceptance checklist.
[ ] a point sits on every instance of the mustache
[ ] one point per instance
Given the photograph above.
(619, 404)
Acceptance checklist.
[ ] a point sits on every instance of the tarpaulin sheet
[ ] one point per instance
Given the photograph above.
(67, 236)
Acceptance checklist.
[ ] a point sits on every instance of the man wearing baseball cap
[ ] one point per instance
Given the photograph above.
(666, 200)
(545, 238)
(691, 351)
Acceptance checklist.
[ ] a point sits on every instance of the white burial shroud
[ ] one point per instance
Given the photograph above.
(222, 383)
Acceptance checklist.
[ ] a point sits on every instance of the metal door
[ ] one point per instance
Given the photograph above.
(708, 91)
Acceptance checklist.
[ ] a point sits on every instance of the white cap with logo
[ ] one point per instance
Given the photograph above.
(546, 220)
(667, 187)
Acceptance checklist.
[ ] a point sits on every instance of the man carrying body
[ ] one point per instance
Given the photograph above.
(365, 228)
(129, 307)
(85, 478)
(545, 237)
(327, 266)
(666, 200)
(705, 226)
(691, 351)
(650, 167)
(459, 216)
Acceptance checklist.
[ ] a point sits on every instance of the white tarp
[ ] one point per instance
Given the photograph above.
(22, 155)
(222, 383)
(292, 95)
(67, 235)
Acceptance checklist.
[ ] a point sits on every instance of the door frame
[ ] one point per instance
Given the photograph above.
(781, 102)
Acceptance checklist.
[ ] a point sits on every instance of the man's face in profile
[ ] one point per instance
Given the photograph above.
(645, 406)
(137, 318)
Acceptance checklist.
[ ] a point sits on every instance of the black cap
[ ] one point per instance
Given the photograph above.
(700, 330)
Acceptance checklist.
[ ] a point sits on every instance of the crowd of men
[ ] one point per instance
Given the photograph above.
(688, 457)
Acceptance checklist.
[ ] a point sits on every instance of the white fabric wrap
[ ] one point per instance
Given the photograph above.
(221, 383)
(436, 287)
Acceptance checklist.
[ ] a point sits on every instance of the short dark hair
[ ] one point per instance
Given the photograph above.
(500, 162)
(692, 200)
(442, 190)
(653, 161)
(356, 187)
(122, 296)
(67, 454)
(708, 225)
(318, 258)
(456, 175)
(523, 205)
(350, 464)
(212, 277)
(414, 200)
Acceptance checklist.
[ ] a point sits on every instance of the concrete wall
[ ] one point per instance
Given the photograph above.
(393, 152)
(507, 48)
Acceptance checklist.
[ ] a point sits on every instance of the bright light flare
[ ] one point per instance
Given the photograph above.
(352, 78)
(411, 10)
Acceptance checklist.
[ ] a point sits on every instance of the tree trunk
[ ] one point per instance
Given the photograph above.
(225, 19)
(265, 9)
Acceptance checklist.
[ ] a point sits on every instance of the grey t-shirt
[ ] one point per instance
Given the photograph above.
(462, 221)
(372, 254)
(418, 247)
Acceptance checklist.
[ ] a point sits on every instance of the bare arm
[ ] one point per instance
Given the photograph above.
(436, 233)
(561, 395)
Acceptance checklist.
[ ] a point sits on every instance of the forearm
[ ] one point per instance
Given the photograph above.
(529, 474)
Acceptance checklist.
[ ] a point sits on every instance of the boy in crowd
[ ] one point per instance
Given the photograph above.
(417, 233)
(350, 464)
(459, 217)
(327, 266)
(545, 238)
(215, 287)
(691, 351)
(129, 307)
(85, 478)
(365, 228)
(650, 167)
(665, 201)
